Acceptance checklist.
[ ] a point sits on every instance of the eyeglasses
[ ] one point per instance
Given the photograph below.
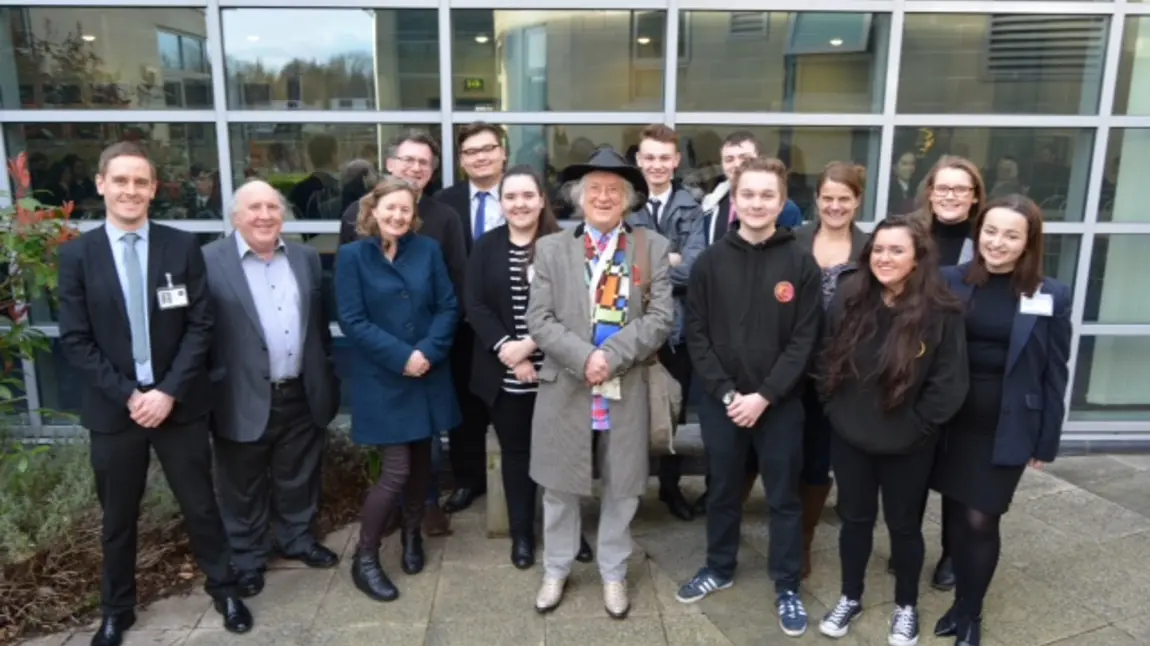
(414, 161)
(959, 191)
(485, 150)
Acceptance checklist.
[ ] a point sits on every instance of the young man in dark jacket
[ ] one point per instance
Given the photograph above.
(753, 318)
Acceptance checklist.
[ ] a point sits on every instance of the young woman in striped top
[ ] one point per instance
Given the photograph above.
(506, 359)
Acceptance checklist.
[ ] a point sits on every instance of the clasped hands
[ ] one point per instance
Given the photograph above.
(417, 365)
(516, 355)
(150, 409)
(596, 370)
(746, 410)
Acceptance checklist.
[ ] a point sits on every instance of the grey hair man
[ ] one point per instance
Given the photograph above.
(273, 383)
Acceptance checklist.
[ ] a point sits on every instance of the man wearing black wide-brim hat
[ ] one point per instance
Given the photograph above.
(588, 314)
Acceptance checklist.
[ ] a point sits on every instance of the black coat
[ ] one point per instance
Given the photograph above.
(487, 292)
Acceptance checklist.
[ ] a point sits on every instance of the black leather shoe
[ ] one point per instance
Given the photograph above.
(700, 506)
(947, 625)
(969, 633)
(112, 629)
(523, 552)
(316, 556)
(368, 576)
(943, 577)
(585, 554)
(250, 583)
(676, 503)
(461, 499)
(413, 556)
(237, 617)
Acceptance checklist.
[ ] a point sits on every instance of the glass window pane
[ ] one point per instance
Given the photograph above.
(1002, 64)
(1124, 179)
(784, 62)
(805, 151)
(76, 58)
(1047, 164)
(387, 59)
(558, 60)
(1132, 94)
(63, 158)
(1116, 290)
(1110, 380)
(287, 155)
(12, 378)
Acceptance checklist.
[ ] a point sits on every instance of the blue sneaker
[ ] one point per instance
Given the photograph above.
(703, 584)
(792, 614)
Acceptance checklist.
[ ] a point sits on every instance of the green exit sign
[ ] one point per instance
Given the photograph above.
(472, 85)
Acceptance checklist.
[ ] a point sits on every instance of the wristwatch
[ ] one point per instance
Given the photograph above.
(729, 398)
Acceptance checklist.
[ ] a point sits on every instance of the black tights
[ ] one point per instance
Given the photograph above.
(976, 543)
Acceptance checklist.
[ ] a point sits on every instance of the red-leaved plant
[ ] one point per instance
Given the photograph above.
(30, 235)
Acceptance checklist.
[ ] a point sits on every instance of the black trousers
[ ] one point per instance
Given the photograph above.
(901, 481)
(817, 433)
(274, 481)
(778, 439)
(468, 452)
(511, 417)
(677, 362)
(120, 463)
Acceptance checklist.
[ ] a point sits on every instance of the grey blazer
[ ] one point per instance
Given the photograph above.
(239, 365)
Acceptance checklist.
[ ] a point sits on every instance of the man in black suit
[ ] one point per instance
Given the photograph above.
(476, 202)
(135, 320)
(413, 155)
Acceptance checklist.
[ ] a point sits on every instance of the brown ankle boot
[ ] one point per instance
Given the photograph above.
(814, 497)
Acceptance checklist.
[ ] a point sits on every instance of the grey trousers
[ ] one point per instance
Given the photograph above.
(562, 528)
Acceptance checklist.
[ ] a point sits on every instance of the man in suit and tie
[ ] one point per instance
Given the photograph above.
(476, 201)
(273, 384)
(135, 320)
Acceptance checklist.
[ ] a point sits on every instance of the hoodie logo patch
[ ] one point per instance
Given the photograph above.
(784, 292)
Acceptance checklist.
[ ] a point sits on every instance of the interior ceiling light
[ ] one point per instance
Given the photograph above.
(643, 40)
(87, 38)
(836, 42)
(481, 38)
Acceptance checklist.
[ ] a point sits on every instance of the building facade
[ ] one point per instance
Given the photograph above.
(1048, 98)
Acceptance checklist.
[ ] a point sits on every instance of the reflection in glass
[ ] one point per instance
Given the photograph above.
(784, 61)
(1132, 94)
(306, 161)
(1110, 380)
(1002, 64)
(332, 59)
(1048, 165)
(804, 150)
(75, 58)
(558, 60)
(1116, 292)
(1123, 196)
(63, 159)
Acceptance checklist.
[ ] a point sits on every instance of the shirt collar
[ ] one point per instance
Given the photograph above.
(597, 235)
(115, 234)
(242, 245)
(664, 198)
(473, 190)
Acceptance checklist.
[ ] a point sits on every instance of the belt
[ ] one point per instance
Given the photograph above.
(283, 385)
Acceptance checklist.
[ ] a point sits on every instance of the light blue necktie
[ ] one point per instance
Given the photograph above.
(481, 214)
(136, 299)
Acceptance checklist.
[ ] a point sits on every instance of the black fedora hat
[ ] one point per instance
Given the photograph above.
(606, 159)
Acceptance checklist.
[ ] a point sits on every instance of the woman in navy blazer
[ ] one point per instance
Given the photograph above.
(398, 308)
(1018, 344)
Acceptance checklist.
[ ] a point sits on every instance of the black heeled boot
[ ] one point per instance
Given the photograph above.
(585, 554)
(522, 550)
(943, 576)
(947, 625)
(413, 556)
(969, 633)
(369, 577)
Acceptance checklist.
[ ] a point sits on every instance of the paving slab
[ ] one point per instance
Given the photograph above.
(1079, 470)
(1130, 491)
(605, 631)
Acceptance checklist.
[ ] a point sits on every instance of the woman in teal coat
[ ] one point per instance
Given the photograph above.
(398, 308)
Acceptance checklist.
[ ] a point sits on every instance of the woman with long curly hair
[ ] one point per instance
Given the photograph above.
(890, 378)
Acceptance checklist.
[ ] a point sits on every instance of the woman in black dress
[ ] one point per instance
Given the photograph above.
(1018, 342)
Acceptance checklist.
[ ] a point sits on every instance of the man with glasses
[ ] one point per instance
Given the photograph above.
(483, 158)
(413, 155)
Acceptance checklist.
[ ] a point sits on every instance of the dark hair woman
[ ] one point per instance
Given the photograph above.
(1017, 326)
(892, 372)
(506, 359)
(397, 307)
(836, 242)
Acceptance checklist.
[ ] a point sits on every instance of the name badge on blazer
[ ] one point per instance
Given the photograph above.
(173, 296)
(1038, 305)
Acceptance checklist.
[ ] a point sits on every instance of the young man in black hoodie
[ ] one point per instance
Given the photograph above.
(753, 317)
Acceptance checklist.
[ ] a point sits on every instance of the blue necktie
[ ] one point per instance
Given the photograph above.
(141, 352)
(481, 214)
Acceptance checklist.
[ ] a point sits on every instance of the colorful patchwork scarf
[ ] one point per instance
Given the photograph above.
(606, 262)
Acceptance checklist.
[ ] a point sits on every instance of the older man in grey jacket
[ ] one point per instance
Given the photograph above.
(274, 386)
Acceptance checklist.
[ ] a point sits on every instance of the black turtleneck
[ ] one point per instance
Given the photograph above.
(949, 238)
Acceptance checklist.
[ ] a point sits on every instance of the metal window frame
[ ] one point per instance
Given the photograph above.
(1102, 124)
